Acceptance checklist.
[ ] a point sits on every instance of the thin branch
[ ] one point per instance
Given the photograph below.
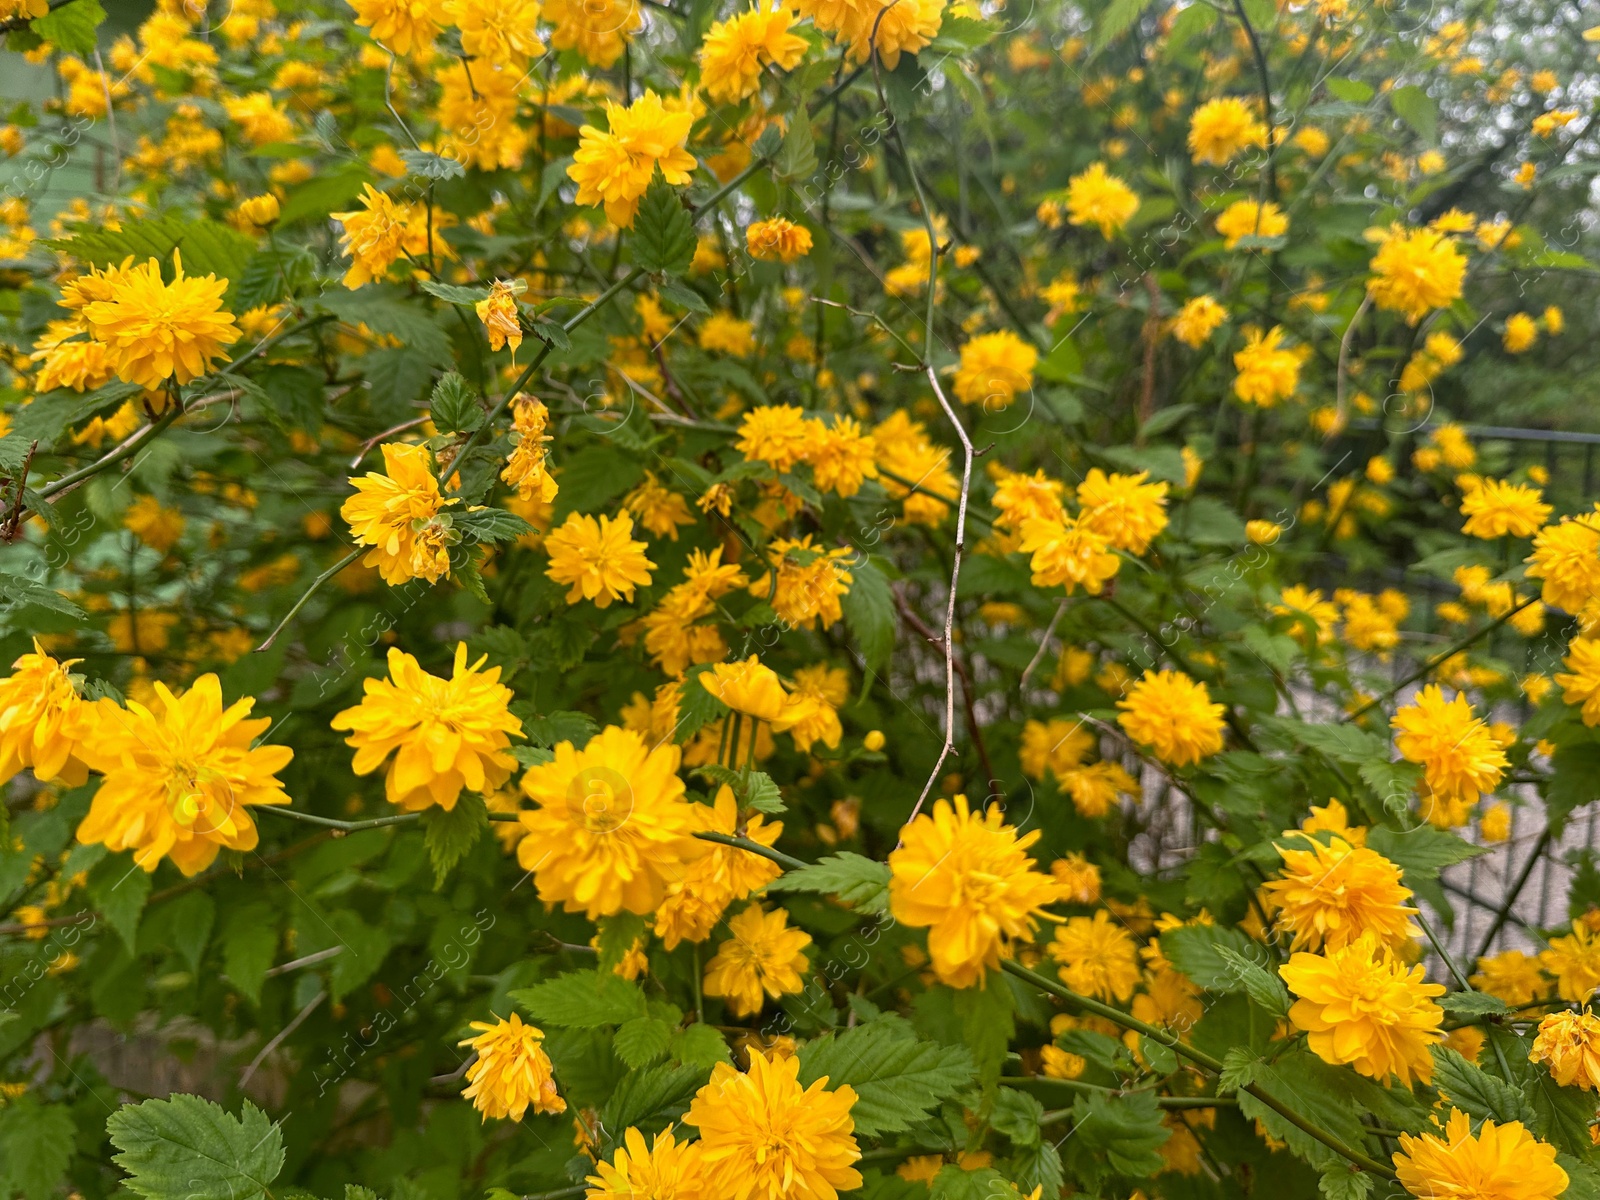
(744, 843)
(282, 1036)
(1044, 644)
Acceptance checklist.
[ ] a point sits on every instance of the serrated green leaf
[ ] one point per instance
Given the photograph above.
(490, 525)
(1477, 1092)
(206, 247)
(451, 833)
(119, 889)
(700, 1046)
(582, 1000)
(1472, 1003)
(853, 879)
(897, 1077)
(1348, 1182)
(185, 1147)
(553, 728)
(1238, 1070)
(73, 27)
(36, 1145)
(1115, 1135)
(654, 1096)
(453, 406)
(1017, 1115)
(797, 155)
(1260, 983)
(642, 1041)
(869, 613)
(663, 231)
(1421, 852)
(455, 294)
(1196, 950)
(430, 165)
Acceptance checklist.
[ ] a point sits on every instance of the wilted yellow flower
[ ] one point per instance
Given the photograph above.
(512, 1072)
(1569, 1044)
(498, 312)
(42, 720)
(398, 512)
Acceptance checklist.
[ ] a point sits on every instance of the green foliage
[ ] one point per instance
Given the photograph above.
(187, 1146)
(860, 882)
(898, 1077)
(582, 1000)
(663, 231)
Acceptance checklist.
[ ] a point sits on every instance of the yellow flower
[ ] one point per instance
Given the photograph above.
(1263, 533)
(1268, 371)
(178, 784)
(1520, 334)
(1416, 271)
(814, 709)
(153, 524)
(599, 559)
(965, 877)
(260, 118)
(1078, 879)
(1330, 894)
(1061, 1064)
(1361, 1006)
(841, 455)
(154, 331)
(1496, 508)
(42, 720)
(512, 1073)
(1124, 509)
(1097, 197)
(776, 434)
(1503, 1162)
(994, 368)
(527, 469)
(764, 1137)
(1098, 957)
(499, 316)
(597, 29)
(374, 236)
(1569, 1044)
(398, 513)
(727, 334)
(811, 582)
(1566, 556)
(700, 893)
(891, 28)
(1333, 818)
(446, 734)
(1582, 684)
(1220, 128)
(259, 211)
(734, 54)
(1057, 747)
(778, 239)
(1247, 218)
(1459, 755)
(748, 687)
(1575, 962)
(1067, 552)
(1098, 786)
(614, 167)
(1173, 715)
(669, 1170)
(1197, 320)
(763, 955)
(497, 32)
(400, 25)
(612, 829)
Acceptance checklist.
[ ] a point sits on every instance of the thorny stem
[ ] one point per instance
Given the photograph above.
(744, 843)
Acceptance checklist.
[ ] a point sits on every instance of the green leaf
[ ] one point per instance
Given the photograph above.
(616, 935)
(897, 1077)
(1417, 109)
(1119, 17)
(249, 945)
(1347, 1182)
(1351, 91)
(453, 406)
(988, 1019)
(430, 165)
(582, 1000)
(762, 794)
(1238, 1070)
(869, 613)
(1261, 984)
(119, 887)
(699, 1045)
(17, 590)
(663, 231)
(1476, 1092)
(1196, 950)
(1017, 1115)
(797, 156)
(552, 729)
(324, 193)
(71, 27)
(490, 525)
(387, 313)
(1115, 1135)
(186, 1147)
(1342, 743)
(451, 833)
(854, 879)
(206, 247)
(675, 292)
(659, 1094)
(1421, 852)
(641, 1041)
(1472, 1003)
(36, 1144)
(697, 707)
(1571, 784)
(954, 1183)
(454, 294)
(1037, 1168)
(1314, 1090)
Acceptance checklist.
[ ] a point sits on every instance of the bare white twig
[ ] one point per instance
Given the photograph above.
(955, 579)
(1044, 643)
(283, 1033)
(308, 960)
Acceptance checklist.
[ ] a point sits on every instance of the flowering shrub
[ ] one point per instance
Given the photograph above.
(875, 596)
